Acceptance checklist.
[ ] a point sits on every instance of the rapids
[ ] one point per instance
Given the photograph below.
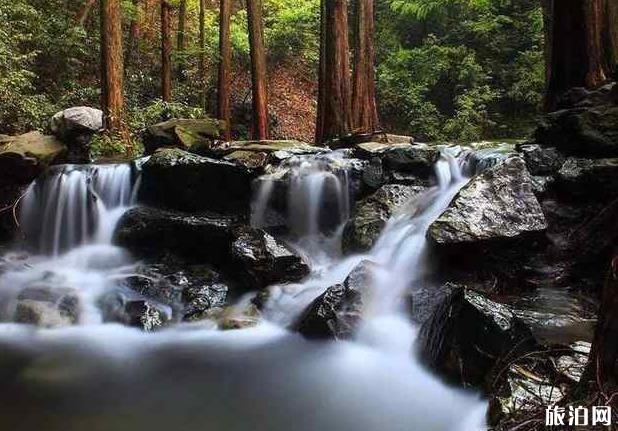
(103, 376)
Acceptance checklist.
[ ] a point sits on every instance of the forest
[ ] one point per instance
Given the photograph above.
(340, 215)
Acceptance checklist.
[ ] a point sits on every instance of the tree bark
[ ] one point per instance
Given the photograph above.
(134, 35)
(319, 126)
(611, 36)
(181, 38)
(602, 368)
(224, 109)
(334, 114)
(258, 70)
(202, 55)
(112, 68)
(579, 54)
(166, 51)
(84, 12)
(364, 90)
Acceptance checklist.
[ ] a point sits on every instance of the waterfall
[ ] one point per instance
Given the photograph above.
(75, 204)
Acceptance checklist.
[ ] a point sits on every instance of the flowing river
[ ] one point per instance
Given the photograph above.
(105, 376)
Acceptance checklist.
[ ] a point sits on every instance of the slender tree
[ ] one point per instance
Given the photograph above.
(84, 12)
(365, 111)
(202, 55)
(181, 38)
(580, 52)
(112, 68)
(334, 104)
(134, 33)
(166, 51)
(258, 70)
(224, 109)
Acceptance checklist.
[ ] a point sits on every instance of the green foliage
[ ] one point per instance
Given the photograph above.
(159, 111)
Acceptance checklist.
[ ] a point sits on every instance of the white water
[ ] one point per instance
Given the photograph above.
(107, 377)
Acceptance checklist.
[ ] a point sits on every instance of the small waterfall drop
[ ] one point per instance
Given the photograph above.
(76, 204)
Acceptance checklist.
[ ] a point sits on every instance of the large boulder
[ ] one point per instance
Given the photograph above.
(24, 157)
(337, 313)
(373, 213)
(541, 161)
(588, 179)
(75, 127)
(418, 159)
(176, 179)
(187, 134)
(499, 204)
(586, 127)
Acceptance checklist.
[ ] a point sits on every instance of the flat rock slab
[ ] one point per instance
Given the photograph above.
(497, 204)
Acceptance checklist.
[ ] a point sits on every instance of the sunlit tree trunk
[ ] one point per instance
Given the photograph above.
(579, 54)
(112, 68)
(258, 70)
(224, 109)
(334, 114)
(166, 51)
(202, 43)
(181, 39)
(84, 12)
(364, 109)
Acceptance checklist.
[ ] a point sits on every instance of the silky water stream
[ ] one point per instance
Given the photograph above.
(101, 376)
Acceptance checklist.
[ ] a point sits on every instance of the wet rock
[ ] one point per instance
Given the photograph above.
(133, 311)
(374, 175)
(249, 159)
(418, 159)
(588, 179)
(372, 214)
(179, 180)
(47, 308)
(151, 232)
(588, 128)
(469, 334)
(338, 311)
(75, 127)
(542, 161)
(24, 157)
(264, 260)
(496, 205)
(9, 210)
(187, 134)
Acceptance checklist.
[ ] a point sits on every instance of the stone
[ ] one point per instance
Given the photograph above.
(373, 212)
(264, 260)
(498, 204)
(588, 179)
(176, 179)
(418, 159)
(134, 311)
(336, 313)
(47, 307)
(24, 157)
(77, 120)
(186, 134)
(249, 159)
(541, 161)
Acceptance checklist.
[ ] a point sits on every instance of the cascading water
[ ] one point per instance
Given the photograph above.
(110, 377)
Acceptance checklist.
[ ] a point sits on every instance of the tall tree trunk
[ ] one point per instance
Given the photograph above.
(181, 39)
(134, 35)
(611, 36)
(84, 12)
(258, 70)
(319, 125)
(579, 54)
(334, 116)
(166, 51)
(112, 69)
(548, 17)
(224, 109)
(602, 370)
(202, 43)
(364, 90)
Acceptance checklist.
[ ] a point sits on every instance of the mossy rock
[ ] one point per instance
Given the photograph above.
(24, 157)
(187, 134)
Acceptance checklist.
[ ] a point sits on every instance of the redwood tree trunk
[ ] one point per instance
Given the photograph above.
(334, 110)
(134, 35)
(224, 109)
(319, 126)
(166, 51)
(258, 70)
(112, 68)
(181, 39)
(579, 54)
(364, 91)
(611, 36)
(202, 55)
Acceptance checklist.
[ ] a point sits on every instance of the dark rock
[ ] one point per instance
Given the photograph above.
(540, 160)
(175, 179)
(134, 311)
(338, 311)
(9, 210)
(417, 159)
(264, 260)
(496, 205)
(374, 175)
(372, 214)
(469, 335)
(151, 232)
(588, 179)
(24, 157)
(186, 134)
